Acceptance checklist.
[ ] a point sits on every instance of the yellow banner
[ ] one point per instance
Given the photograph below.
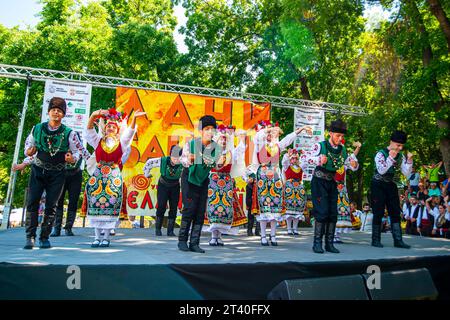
(171, 118)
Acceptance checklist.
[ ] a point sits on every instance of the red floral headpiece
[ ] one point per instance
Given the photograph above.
(115, 117)
(223, 128)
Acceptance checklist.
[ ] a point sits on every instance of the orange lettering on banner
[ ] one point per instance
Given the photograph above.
(153, 150)
(254, 113)
(147, 201)
(131, 199)
(225, 116)
(177, 114)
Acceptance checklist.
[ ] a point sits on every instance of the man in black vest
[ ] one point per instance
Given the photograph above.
(389, 162)
(168, 187)
(250, 179)
(55, 145)
(72, 185)
(411, 215)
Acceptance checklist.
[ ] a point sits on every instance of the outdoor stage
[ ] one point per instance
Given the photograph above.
(139, 265)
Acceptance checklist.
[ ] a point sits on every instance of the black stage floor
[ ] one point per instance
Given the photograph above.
(139, 265)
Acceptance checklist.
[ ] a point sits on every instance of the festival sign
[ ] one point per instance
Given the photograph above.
(305, 142)
(172, 119)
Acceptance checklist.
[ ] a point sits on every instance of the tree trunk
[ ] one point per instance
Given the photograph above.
(444, 23)
(304, 88)
(427, 57)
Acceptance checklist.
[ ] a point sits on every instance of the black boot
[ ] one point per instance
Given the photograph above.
(184, 234)
(68, 232)
(330, 229)
(31, 223)
(376, 236)
(158, 225)
(46, 228)
(319, 229)
(251, 220)
(195, 239)
(257, 229)
(170, 227)
(56, 232)
(397, 235)
(29, 244)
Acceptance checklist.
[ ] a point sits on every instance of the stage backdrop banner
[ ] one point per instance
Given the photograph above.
(171, 119)
(315, 119)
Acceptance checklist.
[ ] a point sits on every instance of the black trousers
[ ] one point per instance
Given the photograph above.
(72, 185)
(168, 193)
(194, 200)
(385, 194)
(52, 182)
(324, 198)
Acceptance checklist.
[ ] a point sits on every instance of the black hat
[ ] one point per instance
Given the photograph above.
(207, 121)
(399, 137)
(58, 103)
(338, 126)
(175, 151)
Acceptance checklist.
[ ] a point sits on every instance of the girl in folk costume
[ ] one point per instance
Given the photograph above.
(294, 192)
(224, 214)
(344, 220)
(104, 188)
(268, 190)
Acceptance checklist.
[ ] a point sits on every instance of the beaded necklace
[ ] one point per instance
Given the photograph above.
(52, 148)
(336, 158)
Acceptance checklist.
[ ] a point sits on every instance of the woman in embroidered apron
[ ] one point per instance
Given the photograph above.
(344, 220)
(104, 189)
(269, 186)
(224, 214)
(294, 192)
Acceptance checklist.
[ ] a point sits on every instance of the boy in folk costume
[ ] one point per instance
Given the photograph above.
(55, 145)
(168, 187)
(329, 156)
(268, 195)
(199, 156)
(389, 161)
(249, 178)
(344, 220)
(294, 192)
(224, 213)
(104, 188)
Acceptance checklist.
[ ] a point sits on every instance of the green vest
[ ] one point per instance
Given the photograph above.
(51, 145)
(168, 171)
(393, 173)
(199, 172)
(336, 157)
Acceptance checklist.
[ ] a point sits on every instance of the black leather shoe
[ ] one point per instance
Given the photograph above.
(158, 233)
(68, 232)
(264, 244)
(44, 244)
(29, 244)
(56, 232)
(196, 248)
(274, 243)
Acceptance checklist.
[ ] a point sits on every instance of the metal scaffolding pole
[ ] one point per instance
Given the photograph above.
(13, 174)
(18, 72)
(37, 74)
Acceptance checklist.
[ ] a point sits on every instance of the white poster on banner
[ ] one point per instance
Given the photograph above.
(78, 100)
(304, 142)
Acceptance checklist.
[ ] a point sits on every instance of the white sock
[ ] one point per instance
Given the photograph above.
(98, 232)
(273, 228)
(263, 225)
(295, 224)
(289, 223)
(106, 235)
